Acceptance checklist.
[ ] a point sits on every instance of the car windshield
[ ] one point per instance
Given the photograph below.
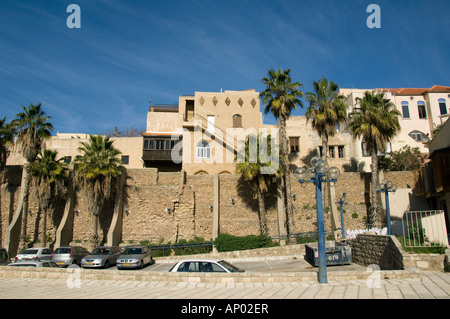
(230, 267)
(62, 251)
(100, 251)
(29, 252)
(132, 251)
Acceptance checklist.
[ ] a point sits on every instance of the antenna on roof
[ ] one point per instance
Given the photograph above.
(150, 101)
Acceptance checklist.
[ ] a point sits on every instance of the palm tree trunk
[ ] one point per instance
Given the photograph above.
(373, 211)
(325, 147)
(261, 211)
(44, 228)
(290, 225)
(26, 184)
(95, 241)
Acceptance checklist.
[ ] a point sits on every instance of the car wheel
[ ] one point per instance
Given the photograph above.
(106, 264)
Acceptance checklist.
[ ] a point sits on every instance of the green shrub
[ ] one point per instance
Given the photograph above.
(225, 242)
(194, 249)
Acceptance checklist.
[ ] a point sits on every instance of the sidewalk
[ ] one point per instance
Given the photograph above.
(429, 285)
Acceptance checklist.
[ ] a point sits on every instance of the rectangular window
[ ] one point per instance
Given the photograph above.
(159, 144)
(67, 159)
(125, 159)
(151, 145)
(405, 110)
(422, 110)
(294, 144)
(363, 148)
(442, 107)
(331, 151)
(203, 152)
(145, 144)
(341, 151)
(168, 145)
(210, 123)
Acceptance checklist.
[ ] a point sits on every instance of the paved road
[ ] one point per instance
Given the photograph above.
(431, 285)
(283, 265)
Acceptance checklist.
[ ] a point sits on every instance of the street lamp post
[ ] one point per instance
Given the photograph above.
(385, 187)
(341, 202)
(319, 173)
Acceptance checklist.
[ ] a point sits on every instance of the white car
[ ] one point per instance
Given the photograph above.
(38, 253)
(34, 263)
(205, 265)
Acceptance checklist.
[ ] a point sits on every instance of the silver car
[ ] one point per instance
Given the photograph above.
(34, 263)
(101, 257)
(65, 256)
(38, 253)
(135, 257)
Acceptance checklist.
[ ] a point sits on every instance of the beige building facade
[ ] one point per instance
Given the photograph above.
(204, 131)
(422, 110)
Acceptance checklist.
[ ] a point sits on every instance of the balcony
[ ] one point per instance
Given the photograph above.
(157, 155)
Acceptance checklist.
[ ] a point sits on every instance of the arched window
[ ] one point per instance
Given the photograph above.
(418, 136)
(422, 110)
(405, 110)
(203, 150)
(442, 106)
(237, 120)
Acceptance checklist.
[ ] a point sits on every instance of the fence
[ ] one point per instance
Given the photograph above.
(424, 229)
(306, 237)
(181, 249)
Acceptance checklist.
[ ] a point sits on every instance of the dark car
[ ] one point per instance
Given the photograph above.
(4, 258)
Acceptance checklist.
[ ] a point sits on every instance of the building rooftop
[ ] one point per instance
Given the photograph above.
(411, 91)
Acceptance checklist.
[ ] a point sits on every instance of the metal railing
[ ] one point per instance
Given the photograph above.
(167, 249)
(305, 236)
(424, 228)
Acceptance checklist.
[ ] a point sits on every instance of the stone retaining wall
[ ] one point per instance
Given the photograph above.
(100, 274)
(388, 253)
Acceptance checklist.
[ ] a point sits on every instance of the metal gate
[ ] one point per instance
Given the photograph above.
(424, 228)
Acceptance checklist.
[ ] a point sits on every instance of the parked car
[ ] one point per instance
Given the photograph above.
(65, 256)
(205, 265)
(101, 257)
(135, 257)
(39, 253)
(34, 263)
(4, 258)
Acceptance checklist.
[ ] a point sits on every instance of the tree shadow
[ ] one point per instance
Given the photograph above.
(246, 192)
(353, 166)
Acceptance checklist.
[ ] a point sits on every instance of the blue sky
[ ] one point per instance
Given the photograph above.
(102, 75)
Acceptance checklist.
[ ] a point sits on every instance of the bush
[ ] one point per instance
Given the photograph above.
(192, 250)
(225, 242)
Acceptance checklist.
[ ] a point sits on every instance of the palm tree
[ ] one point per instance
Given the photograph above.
(96, 169)
(7, 132)
(376, 122)
(327, 109)
(48, 174)
(252, 171)
(281, 97)
(33, 129)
